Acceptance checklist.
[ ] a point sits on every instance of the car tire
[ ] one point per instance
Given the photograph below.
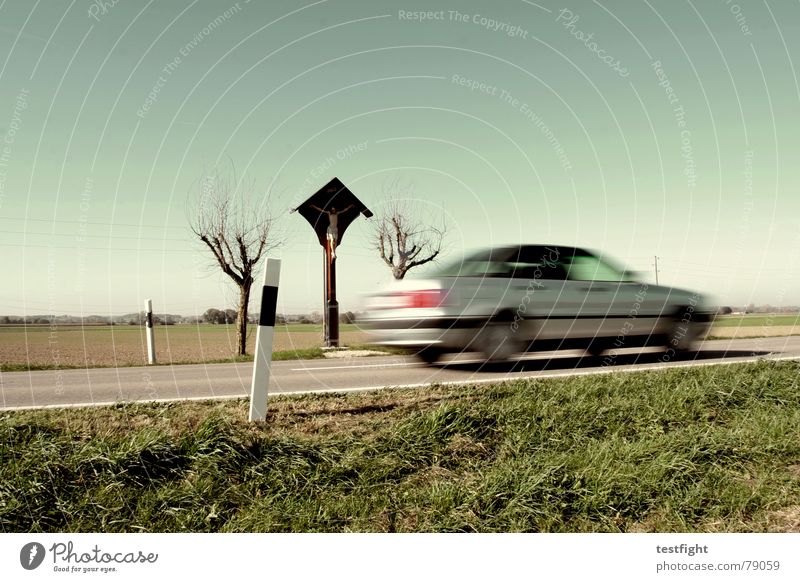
(597, 348)
(681, 334)
(496, 341)
(429, 355)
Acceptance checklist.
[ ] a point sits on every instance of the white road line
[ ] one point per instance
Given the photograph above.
(539, 356)
(353, 366)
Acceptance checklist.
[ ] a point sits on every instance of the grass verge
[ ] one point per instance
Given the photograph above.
(712, 449)
(765, 320)
(749, 336)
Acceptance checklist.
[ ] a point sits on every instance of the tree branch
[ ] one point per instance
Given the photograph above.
(401, 228)
(235, 230)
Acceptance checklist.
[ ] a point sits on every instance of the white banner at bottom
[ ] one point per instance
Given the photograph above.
(415, 557)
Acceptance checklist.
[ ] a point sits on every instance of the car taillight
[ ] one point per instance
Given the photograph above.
(423, 299)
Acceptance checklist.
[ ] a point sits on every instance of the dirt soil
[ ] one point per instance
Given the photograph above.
(90, 346)
(124, 346)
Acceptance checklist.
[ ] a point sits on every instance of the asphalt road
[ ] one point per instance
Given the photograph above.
(103, 386)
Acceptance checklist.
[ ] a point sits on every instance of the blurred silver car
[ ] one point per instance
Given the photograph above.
(505, 301)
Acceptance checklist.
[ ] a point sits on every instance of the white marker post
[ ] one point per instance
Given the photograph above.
(151, 344)
(264, 336)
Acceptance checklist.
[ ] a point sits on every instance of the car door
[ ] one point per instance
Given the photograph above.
(601, 296)
(537, 284)
(515, 284)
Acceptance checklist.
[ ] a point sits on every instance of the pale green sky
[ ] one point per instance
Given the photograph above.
(636, 128)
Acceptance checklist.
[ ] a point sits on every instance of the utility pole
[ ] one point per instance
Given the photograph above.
(655, 264)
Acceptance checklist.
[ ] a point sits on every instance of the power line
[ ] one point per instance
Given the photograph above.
(107, 249)
(656, 268)
(53, 220)
(199, 250)
(115, 236)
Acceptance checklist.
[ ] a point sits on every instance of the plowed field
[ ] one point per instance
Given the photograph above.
(126, 345)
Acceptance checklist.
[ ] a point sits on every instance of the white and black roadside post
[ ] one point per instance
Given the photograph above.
(151, 345)
(264, 336)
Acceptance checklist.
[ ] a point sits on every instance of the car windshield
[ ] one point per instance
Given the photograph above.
(590, 268)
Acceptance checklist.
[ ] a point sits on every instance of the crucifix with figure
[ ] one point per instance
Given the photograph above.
(330, 211)
(332, 232)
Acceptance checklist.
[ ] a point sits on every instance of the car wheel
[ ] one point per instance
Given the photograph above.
(682, 333)
(597, 348)
(496, 341)
(429, 355)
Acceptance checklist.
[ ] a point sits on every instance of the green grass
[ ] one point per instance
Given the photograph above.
(314, 327)
(749, 336)
(696, 450)
(300, 354)
(756, 320)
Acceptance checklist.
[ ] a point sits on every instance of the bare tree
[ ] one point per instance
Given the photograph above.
(238, 228)
(402, 235)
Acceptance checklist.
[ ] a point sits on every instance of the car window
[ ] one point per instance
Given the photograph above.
(518, 263)
(536, 262)
(472, 268)
(541, 270)
(590, 268)
(487, 269)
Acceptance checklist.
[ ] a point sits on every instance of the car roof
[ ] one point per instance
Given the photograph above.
(507, 251)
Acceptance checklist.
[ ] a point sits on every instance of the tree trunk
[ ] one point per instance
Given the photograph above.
(241, 319)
